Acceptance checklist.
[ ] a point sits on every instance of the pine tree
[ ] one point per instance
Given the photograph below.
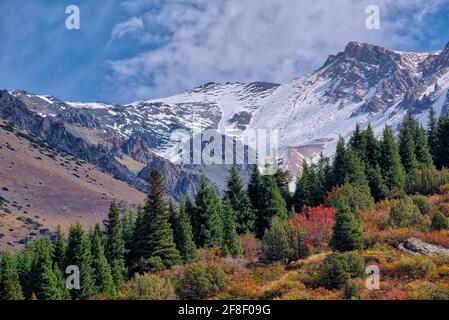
(254, 187)
(154, 236)
(422, 149)
(346, 235)
(303, 188)
(390, 162)
(182, 232)
(355, 174)
(358, 142)
(275, 245)
(208, 217)
(9, 279)
(442, 159)
(271, 204)
(59, 249)
(407, 148)
(240, 202)
(45, 281)
(283, 179)
(340, 166)
(115, 245)
(231, 243)
(432, 134)
(102, 270)
(372, 151)
(78, 254)
(377, 184)
(25, 259)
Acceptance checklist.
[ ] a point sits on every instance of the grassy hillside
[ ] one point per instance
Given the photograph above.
(42, 186)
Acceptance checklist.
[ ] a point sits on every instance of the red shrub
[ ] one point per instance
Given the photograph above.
(318, 222)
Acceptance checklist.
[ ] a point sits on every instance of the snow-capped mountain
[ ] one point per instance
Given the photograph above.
(364, 83)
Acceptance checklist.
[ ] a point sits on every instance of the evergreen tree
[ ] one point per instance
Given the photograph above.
(102, 270)
(283, 179)
(422, 149)
(372, 151)
(390, 161)
(379, 189)
(208, 217)
(154, 236)
(115, 245)
(432, 134)
(240, 202)
(302, 194)
(45, 281)
(182, 232)
(346, 235)
(271, 204)
(78, 254)
(275, 245)
(442, 158)
(407, 148)
(9, 279)
(355, 173)
(254, 189)
(340, 166)
(59, 249)
(231, 243)
(358, 142)
(25, 259)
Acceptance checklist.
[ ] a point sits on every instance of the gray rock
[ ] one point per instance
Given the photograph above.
(416, 246)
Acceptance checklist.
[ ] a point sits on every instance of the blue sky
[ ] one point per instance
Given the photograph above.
(137, 49)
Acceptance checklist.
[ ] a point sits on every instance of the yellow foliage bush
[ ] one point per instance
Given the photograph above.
(412, 267)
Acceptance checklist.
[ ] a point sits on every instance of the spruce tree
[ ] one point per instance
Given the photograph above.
(78, 254)
(154, 236)
(346, 235)
(231, 243)
(254, 189)
(390, 161)
(182, 232)
(303, 188)
(355, 174)
(115, 245)
(271, 204)
(442, 158)
(432, 134)
(208, 217)
(25, 259)
(407, 148)
(377, 184)
(422, 149)
(283, 179)
(372, 151)
(358, 142)
(102, 270)
(59, 249)
(340, 165)
(45, 281)
(240, 202)
(10, 288)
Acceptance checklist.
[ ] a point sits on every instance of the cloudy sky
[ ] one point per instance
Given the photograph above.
(138, 49)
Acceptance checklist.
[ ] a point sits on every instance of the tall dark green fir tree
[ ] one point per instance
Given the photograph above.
(240, 202)
(78, 254)
(115, 245)
(347, 235)
(182, 232)
(10, 288)
(154, 236)
(208, 217)
(102, 270)
(390, 162)
(231, 243)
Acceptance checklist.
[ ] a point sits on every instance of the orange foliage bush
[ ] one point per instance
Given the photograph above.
(251, 247)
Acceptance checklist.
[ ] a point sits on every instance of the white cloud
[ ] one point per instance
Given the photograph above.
(132, 25)
(253, 40)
